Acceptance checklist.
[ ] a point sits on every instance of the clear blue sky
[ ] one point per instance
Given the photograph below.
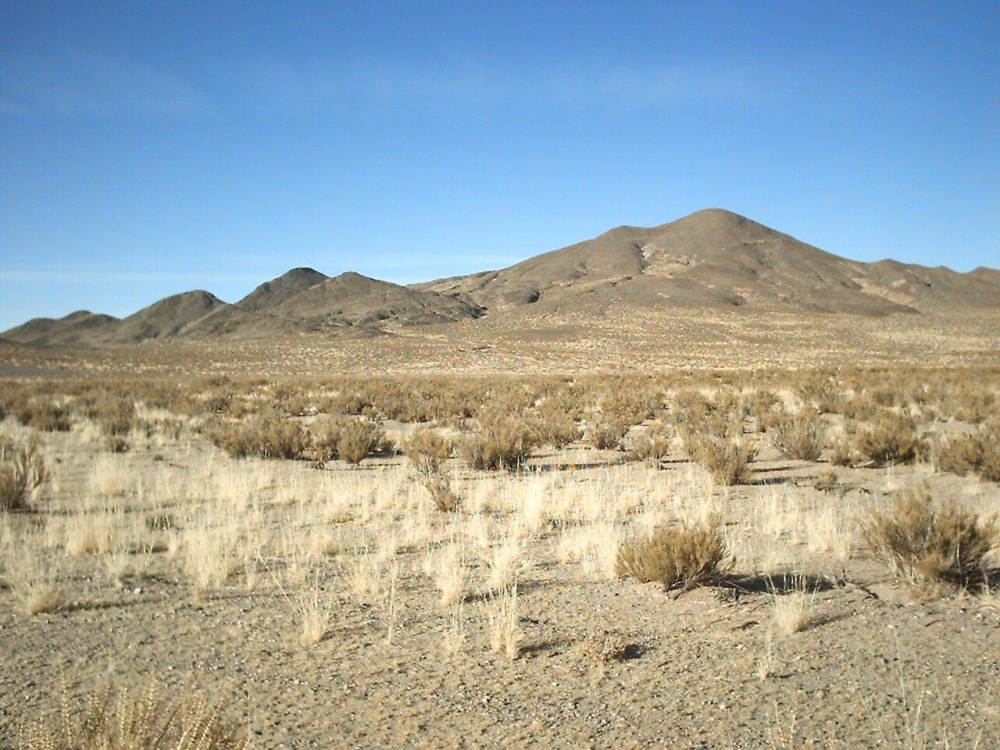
(150, 148)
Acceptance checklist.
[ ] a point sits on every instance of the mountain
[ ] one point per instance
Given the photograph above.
(171, 316)
(717, 258)
(67, 331)
(355, 300)
(272, 293)
(712, 258)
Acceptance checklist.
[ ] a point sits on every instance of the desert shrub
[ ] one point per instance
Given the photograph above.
(728, 458)
(922, 541)
(977, 453)
(555, 424)
(427, 451)
(676, 556)
(358, 439)
(820, 391)
(608, 433)
(797, 436)
(265, 435)
(891, 438)
(843, 448)
(120, 720)
(826, 480)
(44, 415)
(762, 405)
(959, 454)
(653, 444)
(22, 471)
(499, 443)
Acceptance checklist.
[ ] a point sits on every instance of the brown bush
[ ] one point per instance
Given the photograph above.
(608, 434)
(498, 443)
(118, 720)
(920, 541)
(427, 451)
(676, 556)
(977, 453)
(44, 415)
(652, 444)
(358, 439)
(799, 437)
(265, 435)
(22, 471)
(891, 438)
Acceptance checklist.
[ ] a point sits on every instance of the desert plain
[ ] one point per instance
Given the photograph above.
(440, 533)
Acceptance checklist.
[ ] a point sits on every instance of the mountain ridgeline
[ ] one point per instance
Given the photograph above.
(712, 258)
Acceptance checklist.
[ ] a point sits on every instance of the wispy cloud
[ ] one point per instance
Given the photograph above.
(71, 277)
(83, 84)
(295, 88)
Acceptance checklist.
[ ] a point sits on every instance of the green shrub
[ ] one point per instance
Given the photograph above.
(22, 471)
(676, 556)
(922, 541)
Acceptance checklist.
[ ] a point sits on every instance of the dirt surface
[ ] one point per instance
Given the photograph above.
(597, 662)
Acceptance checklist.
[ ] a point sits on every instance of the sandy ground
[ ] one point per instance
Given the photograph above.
(598, 662)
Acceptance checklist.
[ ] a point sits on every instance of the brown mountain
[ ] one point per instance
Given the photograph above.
(717, 258)
(68, 331)
(272, 293)
(171, 316)
(355, 300)
(711, 258)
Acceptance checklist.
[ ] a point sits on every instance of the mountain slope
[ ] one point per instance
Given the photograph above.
(72, 330)
(272, 293)
(355, 300)
(711, 257)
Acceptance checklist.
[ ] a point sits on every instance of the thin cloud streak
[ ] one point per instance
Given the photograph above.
(297, 88)
(83, 84)
(69, 277)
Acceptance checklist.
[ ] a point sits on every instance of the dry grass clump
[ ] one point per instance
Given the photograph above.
(124, 720)
(676, 556)
(712, 432)
(978, 453)
(264, 435)
(22, 471)
(358, 439)
(926, 542)
(653, 444)
(501, 442)
(800, 437)
(608, 433)
(44, 414)
(727, 456)
(890, 439)
(427, 451)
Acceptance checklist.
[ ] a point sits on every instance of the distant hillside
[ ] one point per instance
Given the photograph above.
(712, 258)
(270, 294)
(718, 258)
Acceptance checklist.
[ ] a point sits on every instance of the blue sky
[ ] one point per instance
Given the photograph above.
(149, 148)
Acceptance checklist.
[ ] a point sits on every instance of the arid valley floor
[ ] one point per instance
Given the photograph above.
(322, 603)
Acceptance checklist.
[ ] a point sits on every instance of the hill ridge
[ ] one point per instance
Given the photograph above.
(710, 258)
